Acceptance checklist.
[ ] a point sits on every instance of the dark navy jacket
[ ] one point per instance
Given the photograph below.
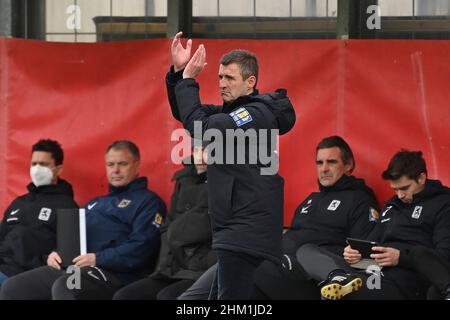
(246, 206)
(122, 229)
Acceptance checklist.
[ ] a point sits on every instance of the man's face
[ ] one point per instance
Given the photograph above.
(200, 156)
(45, 159)
(231, 84)
(405, 188)
(121, 167)
(330, 167)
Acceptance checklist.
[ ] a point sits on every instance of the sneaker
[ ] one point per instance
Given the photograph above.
(339, 286)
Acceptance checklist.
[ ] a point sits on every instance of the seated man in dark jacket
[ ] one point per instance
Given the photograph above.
(419, 215)
(123, 238)
(185, 238)
(28, 228)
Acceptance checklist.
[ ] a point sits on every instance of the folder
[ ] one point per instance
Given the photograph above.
(70, 234)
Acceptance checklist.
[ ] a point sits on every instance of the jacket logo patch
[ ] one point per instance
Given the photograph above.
(45, 213)
(90, 206)
(158, 220)
(373, 215)
(305, 209)
(416, 213)
(91, 274)
(386, 211)
(241, 116)
(334, 205)
(14, 212)
(124, 203)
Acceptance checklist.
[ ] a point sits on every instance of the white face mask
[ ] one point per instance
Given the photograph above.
(40, 175)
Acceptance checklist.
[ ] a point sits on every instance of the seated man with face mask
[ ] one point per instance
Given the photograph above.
(28, 228)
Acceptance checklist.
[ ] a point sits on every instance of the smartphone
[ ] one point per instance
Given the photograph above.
(363, 246)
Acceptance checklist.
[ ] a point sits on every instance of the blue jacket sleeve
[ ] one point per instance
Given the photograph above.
(142, 244)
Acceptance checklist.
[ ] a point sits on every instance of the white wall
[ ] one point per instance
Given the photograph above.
(57, 17)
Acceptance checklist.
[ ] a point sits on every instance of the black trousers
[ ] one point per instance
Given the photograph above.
(288, 281)
(45, 283)
(319, 262)
(432, 268)
(153, 289)
(233, 279)
(270, 282)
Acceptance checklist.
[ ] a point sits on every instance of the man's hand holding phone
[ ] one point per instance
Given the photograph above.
(351, 255)
(387, 256)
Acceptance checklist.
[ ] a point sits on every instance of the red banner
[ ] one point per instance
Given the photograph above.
(379, 95)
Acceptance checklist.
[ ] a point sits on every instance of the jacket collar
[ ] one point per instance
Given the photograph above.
(136, 184)
(228, 107)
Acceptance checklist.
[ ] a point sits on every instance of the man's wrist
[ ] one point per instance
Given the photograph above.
(176, 69)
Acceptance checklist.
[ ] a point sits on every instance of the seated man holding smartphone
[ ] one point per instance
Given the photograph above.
(418, 215)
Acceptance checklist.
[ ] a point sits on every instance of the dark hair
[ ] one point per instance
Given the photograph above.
(248, 64)
(125, 144)
(346, 151)
(51, 146)
(405, 163)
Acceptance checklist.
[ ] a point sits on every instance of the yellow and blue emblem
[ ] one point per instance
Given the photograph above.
(241, 116)
(373, 215)
(158, 220)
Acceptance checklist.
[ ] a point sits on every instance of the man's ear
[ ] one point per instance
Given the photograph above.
(138, 167)
(349, 167)
(57, 173)
(251, 82)
(59, 170)
(422, 178)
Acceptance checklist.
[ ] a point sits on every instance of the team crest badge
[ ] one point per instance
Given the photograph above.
(334, 205)
(373, 215)
(158, 220)
(124, 203)
(241, 116)
(45, 213)
(417, 211)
